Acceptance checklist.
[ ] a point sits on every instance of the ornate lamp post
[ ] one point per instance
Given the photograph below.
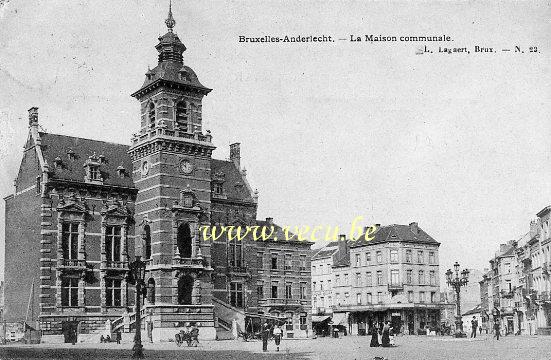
(137, 269)
(456, 282)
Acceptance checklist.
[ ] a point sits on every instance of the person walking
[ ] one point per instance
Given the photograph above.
(277, 336)
(496, 328)
(265, 336)
(386, 335)
(474, 326)
(374, 336)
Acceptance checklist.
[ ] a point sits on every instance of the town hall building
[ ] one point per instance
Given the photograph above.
(82, 209)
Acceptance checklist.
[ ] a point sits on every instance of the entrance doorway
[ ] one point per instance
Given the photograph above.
(185, 287)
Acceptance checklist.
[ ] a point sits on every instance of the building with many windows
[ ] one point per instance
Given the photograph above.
(83, 208)
(393, 277)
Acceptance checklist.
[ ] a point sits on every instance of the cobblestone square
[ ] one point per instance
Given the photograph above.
(353, 347)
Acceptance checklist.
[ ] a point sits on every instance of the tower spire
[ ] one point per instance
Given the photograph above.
(170, 22)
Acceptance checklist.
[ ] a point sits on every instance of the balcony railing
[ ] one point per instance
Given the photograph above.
(280, 302)
(187, 262)
(116, 265)
(238, 269)
(395, 287)
(74, 263)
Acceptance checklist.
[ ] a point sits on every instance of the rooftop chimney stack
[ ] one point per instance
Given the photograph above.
(414, 227)
(235, 154)
(270, 220)
(33, 116)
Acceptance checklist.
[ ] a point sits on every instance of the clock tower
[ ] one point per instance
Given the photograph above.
(171, 157)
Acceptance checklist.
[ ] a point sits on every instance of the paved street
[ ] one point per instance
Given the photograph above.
(408, 347)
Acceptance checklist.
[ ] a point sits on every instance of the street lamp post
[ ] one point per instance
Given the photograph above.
(137, 268)
(456, 282)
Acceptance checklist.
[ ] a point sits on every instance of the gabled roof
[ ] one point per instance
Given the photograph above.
(396, 233)
(233, 184)
(57, 146)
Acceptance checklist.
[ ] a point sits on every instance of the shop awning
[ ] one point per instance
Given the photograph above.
(318, 318)
(340, 318)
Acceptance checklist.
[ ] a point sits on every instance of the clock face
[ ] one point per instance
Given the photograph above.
(186, 167)
(145, 168)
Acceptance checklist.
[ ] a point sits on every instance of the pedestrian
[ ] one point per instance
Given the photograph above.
(119, 337)
(265, 336)
(385, 340)
(474, 326)
(277, 336)
(496, 328)
(374, 336)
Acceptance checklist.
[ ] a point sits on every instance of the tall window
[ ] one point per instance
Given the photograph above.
(329, 284)
(321, 285)
(420, 257)
(422, 296)
(346, 298)
(303, 290)
(393, 255)
(69, 292)
(368, 280)
(182, 116)
(338, 298)
(288, 262)
(236, 253)
(260, 260)
(358, 279)
(346, 281)
(147, 241)
(410, 296)
(369, 299)
(94, 172)
(359, 298)
(421, 277)
(151, 114)
(394, 277)
(314, 286)
(367, 257)
(274, 261)
(431, 257)
(380, 278)
(274, 290)
(409, 277)
(288, 291)
(358, 260)
(408, 256)
(432, 297)
(432, 278)
(113, 243)
(337, 280)
(379, 257)
(112, 292)
(380, 297)
(260, 291)
(236, 294)
(302, 266)
(69, 240)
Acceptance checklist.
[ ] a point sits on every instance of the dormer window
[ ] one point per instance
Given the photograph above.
(92, 167)
(57, 162)
(218, 189)
(71, 154)
(102, 159)
(94, 173)
(184, 75)
(151, 115)
(182, 116)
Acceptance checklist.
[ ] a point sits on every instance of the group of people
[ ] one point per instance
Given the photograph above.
(267, 332)
(107, 338)
(382, 335)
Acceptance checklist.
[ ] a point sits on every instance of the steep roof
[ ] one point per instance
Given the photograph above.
(325, 252)
(396, 233)
(234, 185)
(54, 146)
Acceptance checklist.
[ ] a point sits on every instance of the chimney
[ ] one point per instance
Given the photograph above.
(502, 248)
(235, 154)
(270, 220)
(414, 227)
(33, 116)
(343, 246)
(533, 228)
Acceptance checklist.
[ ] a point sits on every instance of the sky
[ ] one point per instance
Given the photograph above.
(329, 131)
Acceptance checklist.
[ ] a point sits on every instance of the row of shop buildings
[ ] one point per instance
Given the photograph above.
(516, 289)
(392, 277)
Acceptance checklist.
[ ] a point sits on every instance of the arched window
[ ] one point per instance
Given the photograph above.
(182, 116)
(151, 114)
(151, 291)
(184, 241)
(147, 242)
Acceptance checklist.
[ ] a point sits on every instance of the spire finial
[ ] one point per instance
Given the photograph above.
(170, 22)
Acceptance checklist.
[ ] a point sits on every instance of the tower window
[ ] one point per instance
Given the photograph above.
(182, 117)
(151, 114)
